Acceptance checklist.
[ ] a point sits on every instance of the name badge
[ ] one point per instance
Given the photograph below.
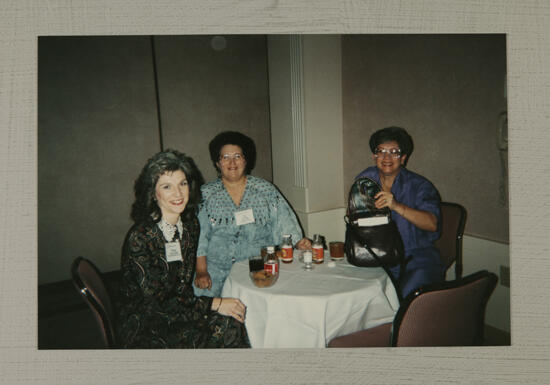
(173, 251)
(244, 217)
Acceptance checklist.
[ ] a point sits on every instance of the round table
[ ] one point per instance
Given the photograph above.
(306, 309)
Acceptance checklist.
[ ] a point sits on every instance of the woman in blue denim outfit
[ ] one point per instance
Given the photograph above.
(414, 204)
(239, 214)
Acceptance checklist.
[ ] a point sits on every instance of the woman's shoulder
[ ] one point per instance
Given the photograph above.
(210, 188)
(139, 238)
(260, 183)
(260, 187)
(417, 181)
(412, 176)
(144, 231)
(369, 172)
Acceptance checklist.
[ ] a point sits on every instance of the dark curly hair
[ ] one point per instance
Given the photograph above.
(388, 134)
(237, 139)
(145, 208)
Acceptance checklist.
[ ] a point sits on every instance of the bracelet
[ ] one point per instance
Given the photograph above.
(221, 300)
(404, 209)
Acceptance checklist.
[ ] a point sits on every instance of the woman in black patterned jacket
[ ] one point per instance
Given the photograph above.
(158, 308)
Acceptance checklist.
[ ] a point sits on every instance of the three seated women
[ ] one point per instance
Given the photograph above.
(186, 237)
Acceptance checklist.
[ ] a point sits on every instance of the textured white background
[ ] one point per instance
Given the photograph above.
(527, 24)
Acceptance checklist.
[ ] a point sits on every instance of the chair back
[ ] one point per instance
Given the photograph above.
(450, 313)
(453, 220)
(87, 280)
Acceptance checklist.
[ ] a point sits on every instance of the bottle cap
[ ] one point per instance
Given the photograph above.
(270, 249)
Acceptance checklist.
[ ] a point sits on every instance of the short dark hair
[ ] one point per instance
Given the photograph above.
(393, 133)
(237, 139)
(145, 208)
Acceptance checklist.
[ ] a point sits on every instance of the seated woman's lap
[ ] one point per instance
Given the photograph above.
(412, 279)
(419, 271)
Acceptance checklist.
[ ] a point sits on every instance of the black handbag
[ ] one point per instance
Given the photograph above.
(372, 238)
(373, 246)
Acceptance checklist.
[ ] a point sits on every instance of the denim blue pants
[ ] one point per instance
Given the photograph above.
(421, 269)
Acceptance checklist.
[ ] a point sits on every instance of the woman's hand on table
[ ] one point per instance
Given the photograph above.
(304, 244)
(232, 307)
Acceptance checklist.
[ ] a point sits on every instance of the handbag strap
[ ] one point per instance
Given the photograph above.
(402, 264)
(393, 280)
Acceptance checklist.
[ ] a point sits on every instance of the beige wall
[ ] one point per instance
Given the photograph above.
(323, 121)
(205, 91)
(375, 89)
(305, 81)
(287, 148)
(482, 254)
(97, 126)
(448, 92)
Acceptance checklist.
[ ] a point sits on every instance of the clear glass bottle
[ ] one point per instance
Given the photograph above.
(287, 252)
(307, 260)
(318, 251)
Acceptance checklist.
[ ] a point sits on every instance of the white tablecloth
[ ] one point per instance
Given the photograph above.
(306, 309)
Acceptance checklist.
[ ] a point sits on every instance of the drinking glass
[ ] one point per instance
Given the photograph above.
(308, 260)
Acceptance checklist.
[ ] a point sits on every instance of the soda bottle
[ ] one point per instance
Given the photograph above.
(318, 251)
(287, 249)
(271, 264)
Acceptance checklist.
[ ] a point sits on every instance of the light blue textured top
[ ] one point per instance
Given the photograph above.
(224, 242)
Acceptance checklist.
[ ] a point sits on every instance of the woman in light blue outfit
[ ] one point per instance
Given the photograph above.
(239, 214)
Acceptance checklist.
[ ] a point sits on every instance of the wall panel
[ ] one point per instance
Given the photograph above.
(209, 84)
(96, 126)
(448, 91)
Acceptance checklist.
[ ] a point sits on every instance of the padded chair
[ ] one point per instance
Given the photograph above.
(87, 280)
(453, 220)
(450, 313)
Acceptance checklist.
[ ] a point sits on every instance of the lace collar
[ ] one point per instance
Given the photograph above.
(169, 230)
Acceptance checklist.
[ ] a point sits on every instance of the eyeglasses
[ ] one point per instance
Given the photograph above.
(393, 152)
(226, 158)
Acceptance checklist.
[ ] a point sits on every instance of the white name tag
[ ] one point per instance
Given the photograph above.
(173, 251)
(244, 217)
(373, 221)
